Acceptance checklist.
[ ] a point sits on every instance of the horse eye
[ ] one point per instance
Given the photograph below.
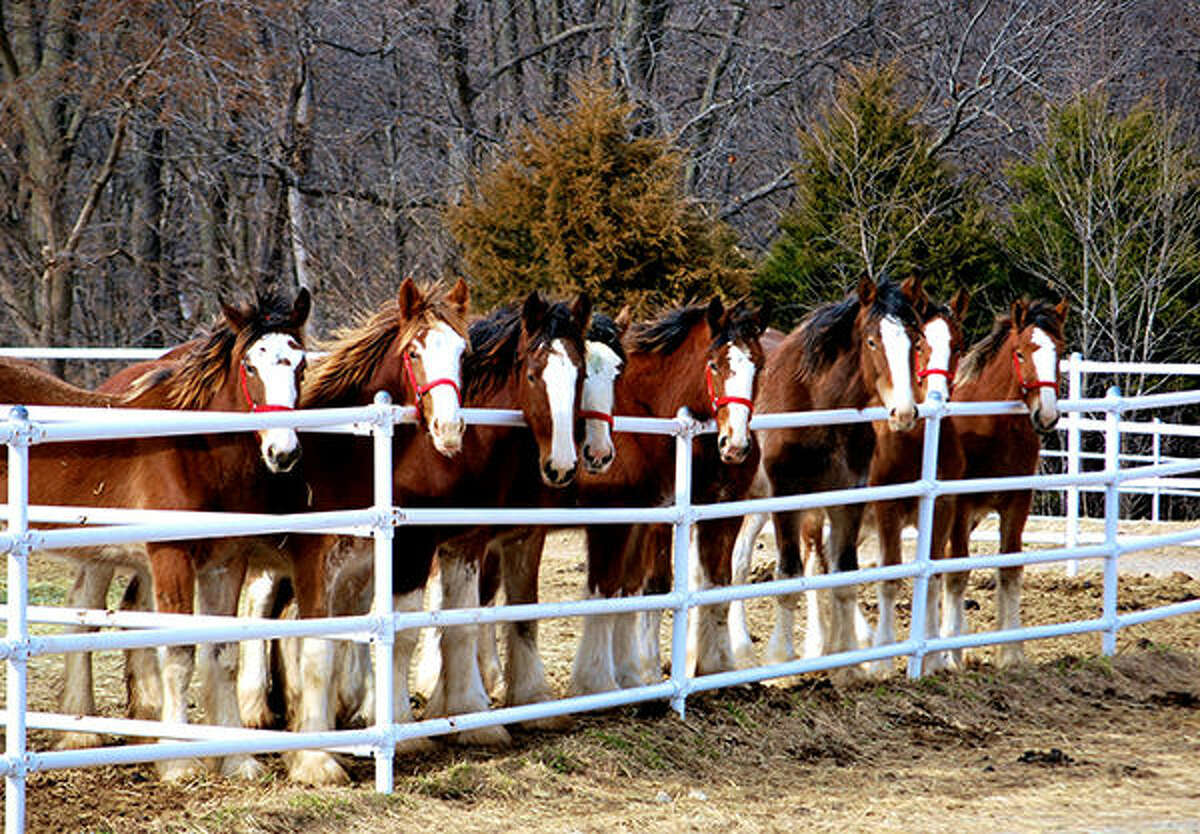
(412, 353)
(529, 376)
(712, 364)
(871, 343)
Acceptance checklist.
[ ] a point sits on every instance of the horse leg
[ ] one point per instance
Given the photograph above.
(636, 656)
(253, 680)
(461, 687)
(844, 524)
(954, 585)
(314, 678)
(814, 554)
(89, 590)
(889, 526)
(1008, 588)
(715, 540)
(402, 652)
(217, 593)
(143, 678)
(592, 670)
(788, 565)
(743, 555)
(174, 591)
(429, 667)
(943, 520)
(488, 646)
(519, 555)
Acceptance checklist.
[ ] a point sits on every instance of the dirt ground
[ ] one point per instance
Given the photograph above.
(1070, 742)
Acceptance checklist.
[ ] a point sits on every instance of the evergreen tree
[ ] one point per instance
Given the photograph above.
(580, 203)
(872, 200)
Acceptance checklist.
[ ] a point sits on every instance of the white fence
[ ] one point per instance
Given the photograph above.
(25, 427)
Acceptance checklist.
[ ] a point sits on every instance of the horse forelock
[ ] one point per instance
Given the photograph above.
(668, 331)
(496, 343)
(829, 331)
(603, 329)
(354, 356)
(1040, 314)
(203, 368)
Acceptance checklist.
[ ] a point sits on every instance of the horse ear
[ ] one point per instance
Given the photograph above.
(235, 316)
(959, 304)
(624, 318)
(866, 291)
(1018, 315)
(1060, 309)
(763, 315)
(301, 307)
(913, 289)
(409, 297)
(581, 311)
(459, 297)
(714, 314)
(534, 311)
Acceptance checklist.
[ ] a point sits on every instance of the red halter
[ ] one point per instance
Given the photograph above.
(717, 402)
(1026, 387)
(422, 390)
(588, 414)
(256, 407)
(925, 373)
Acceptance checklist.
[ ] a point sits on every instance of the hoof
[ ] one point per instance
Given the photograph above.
(593, 686)
(778, 654)
(551, 724)
(181, 770)
(415, 746)
(242, 768)
(79, 741)
(481, 737)
(849, 675)
(935, 662)
(743, 658)
(881, 670)
(1009, 655)
(256, 714)
(314, 767)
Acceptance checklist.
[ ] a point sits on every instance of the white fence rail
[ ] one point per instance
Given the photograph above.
(25, 427)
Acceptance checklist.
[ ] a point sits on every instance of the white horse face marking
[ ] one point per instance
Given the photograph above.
(440, 353)
(937, 334)
(1045, 365)
(277, 361)
(559, 377)
(733, 436)
(897, 392)
(602, 365)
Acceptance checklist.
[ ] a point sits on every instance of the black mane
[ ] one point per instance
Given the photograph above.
(666, 333)
(495, 337)
(828, 330)
(604, 330)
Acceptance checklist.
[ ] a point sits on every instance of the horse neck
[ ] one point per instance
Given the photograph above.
(997, 380)
(657, 384)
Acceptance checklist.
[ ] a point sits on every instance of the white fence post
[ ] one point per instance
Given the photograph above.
(17, 632)
(925, 507)
(1112, 506)
(385, 636)
(1074, 444)
(682, 543)
(1157, 445)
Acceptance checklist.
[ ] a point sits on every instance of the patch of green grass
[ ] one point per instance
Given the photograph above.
(560, 761)
(322, 805)
(40, 593)
(459, 781)
(739, 716)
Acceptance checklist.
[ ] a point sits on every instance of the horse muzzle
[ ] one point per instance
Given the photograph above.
(902, 419)
(732, 452)
(597, 464)
(555, 476)
(447, 435)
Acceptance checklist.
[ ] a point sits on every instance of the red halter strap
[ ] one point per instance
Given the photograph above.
(421, 390)
(256, 407)
(588, 414)
(717, 402)
(1026, 387)
(925, 373)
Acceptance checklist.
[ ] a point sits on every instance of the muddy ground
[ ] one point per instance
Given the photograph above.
(1069, 742)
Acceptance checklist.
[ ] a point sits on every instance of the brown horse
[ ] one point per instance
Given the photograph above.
(252, 361)
(1018, 360)
(528, 358)
(851, 354)
(705, 359)
(897, 459)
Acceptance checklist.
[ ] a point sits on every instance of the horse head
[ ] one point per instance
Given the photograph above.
(433, 342)
(735, 357)
(887, 331)
(604, 358)
(269, 356)
(941, 343)
(1037, 339)
(551, 354)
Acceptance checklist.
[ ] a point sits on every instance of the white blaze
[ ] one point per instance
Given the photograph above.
(1045, 364)
(559, 379)
(602, 367)
(739, 383)
(937, 333)
(897, 349)
(440, 353)
(274, 358)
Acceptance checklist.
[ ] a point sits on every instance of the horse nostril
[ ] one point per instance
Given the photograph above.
(548, 469)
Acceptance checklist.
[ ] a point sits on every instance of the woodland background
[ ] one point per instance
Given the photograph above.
(157, 155)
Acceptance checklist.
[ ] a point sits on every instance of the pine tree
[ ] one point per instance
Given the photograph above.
(580, 203)
(872, 200)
